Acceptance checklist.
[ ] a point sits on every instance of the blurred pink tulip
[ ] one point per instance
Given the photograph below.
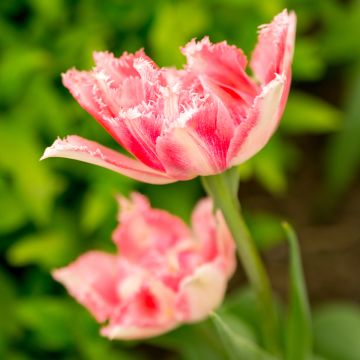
(164, 273)
(179, 124)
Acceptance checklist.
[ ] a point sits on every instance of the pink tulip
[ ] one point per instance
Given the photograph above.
(179, 124)
(164, 273)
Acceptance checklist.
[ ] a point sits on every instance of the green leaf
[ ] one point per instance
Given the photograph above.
(265, 229)
(91, 345)
(47, 12)
(308, 114)
(11, 210)
(169, 30)
(343, 153)
(96, 207)
(298, 332)
(9, 327)
(56, 324)
(55, 117)
(242, 305)
(271, 165)
(317, 357)
(193, 342)
(49, 319)
(182, 200)
(337, 331)
(308, 64)
(33, 181)
(340, 21)
(96, 348)
(17, 66)
(46, 249)
(237, 324)
(237, 346)
(246, 170)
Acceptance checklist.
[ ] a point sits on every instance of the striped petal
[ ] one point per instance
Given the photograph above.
(144, 231)
(149, 312)
(83, 88)
(92, 281)
(213, 235)
(118, 69)
(114, 93)
(185, 154)
(221, 68)
(77, 148)
(138, 132)
(255, 131)
(274, 51)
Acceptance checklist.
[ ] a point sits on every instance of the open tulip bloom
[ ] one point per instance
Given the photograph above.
(164, 273)
(179, 124)
(201, 120)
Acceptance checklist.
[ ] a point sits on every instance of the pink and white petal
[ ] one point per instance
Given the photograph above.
(226, 246)
(214, 236)
(77, 148)
(104, 95)
(205, 229)
(183, 155)
(213, 125)
(91, 280)
(151, 76)
(135, 205)
(81, 84)
(138, 133)
(132, 332)
(135, 76)
(137, 123)
(263, 118)
(145, 235)
(121, 74)
(85, 89)
(289, 44)
(201, 293)
(117, 83)
(274, 51)
(187, 151)
(221, 69)
(149, 312)
(117, 69)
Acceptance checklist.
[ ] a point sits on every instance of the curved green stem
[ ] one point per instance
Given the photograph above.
(217, 186)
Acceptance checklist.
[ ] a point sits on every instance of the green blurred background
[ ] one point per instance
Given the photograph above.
(50, 212)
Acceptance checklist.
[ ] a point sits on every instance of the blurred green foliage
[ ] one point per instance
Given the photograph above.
(51, 212)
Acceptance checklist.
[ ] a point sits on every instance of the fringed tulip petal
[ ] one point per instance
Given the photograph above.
(77, 148)
(213, 235)
(274, 51)
(199, 147)
(184, 155)
(221, 68)
(138, 133)
(91, 280)
(84, 87)
(149, 312)
(143, 230)
(263, 118)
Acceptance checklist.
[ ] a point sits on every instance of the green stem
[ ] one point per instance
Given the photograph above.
(217, 186)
